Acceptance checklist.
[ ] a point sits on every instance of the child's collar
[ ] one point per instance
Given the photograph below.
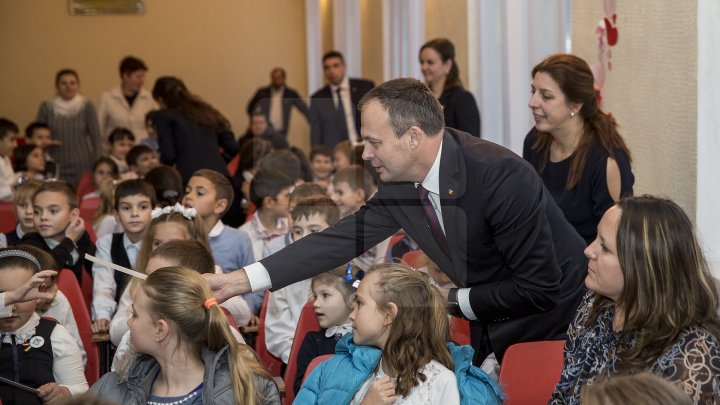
(24, 332)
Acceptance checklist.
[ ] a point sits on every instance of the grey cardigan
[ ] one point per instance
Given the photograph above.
(217, 389)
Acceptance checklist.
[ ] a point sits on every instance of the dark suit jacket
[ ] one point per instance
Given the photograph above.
(62, 253)
(326, 129)
(509, 241)
(460, 110)
(290, 98)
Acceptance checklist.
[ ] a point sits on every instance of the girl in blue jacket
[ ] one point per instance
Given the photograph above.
(397, 353)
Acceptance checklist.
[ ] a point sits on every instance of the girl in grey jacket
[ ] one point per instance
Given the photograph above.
(189, 353)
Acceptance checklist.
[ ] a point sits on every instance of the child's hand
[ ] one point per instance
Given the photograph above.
(76, 229)
(30, 290)
(254, 321)
(381, 392)
(51, 393)
(101, 325)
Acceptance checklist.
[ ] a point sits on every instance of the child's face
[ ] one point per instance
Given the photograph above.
(145, 163)
(330, 306)
(102, 172)
(11, 279)
(35, 161)
(167, 231)
(8, 144)
(347, 199)
(158, 262)
(150, 128)
(281, 202)
(24, 214)
(142, 325)
(133, 213)
(340, 160)
(304, 226)
(40, 137)
(200, 194)
(52, 214)
(120, 148)
(371, 325)
(321, 166)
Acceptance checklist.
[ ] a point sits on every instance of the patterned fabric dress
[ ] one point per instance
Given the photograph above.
(692, 363)
(74, 123)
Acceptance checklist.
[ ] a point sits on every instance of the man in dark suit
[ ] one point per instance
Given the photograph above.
(334, 116)
(479, 211)
(276, 101)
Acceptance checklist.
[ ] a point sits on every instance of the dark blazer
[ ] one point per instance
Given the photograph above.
(62, 253)
(190, 147)
(290, 98)
(460, 110)
(509, 241)
(326, 129)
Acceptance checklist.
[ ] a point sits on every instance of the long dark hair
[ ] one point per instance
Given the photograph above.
(174, 94)
(446, 49)
(575, 79)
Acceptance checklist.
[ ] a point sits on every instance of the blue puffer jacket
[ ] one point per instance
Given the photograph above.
(336, 380)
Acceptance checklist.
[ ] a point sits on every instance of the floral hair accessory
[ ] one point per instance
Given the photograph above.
(188, 213)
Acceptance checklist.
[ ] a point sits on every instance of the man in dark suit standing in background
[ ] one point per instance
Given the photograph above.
(275, 102)
(334, 116)
(478, 210)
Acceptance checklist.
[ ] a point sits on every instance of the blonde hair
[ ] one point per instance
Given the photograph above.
(640, 389)
(106, 201)
(419, 332)
(26, 191)
(178, 294)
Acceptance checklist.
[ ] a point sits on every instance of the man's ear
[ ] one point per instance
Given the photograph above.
(390, 314)
(220, 206)
(415, 137)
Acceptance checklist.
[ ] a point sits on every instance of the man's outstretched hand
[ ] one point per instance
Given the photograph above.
(226, 286)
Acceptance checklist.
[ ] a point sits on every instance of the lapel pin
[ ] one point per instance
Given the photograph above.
(451, 191)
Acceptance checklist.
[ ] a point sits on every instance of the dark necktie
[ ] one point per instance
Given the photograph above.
(341, 114)
(432, 219)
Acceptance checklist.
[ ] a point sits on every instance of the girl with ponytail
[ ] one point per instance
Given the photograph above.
(576, 147)
(398, 352)
(189, 353)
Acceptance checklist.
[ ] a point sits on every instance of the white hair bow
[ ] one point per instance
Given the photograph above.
(189, 213)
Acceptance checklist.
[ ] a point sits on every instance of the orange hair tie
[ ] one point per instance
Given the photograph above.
(210, 302)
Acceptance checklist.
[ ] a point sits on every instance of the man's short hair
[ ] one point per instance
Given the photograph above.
(61, 187)
(187, 253)
(357, 177)
(132, 187)
(267, 183)
(131, 64)
(30, 129)
(135, 153)
(333, 54)
(223, 187)
(409, 102)
(7, 127)
(316, 204)
(278, 69)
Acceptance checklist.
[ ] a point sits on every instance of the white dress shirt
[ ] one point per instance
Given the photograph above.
(104, 286)
(347, 107)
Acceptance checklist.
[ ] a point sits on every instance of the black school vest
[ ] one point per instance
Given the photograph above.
(29, 363)
(119, 256)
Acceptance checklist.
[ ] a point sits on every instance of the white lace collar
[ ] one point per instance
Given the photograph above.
(24, 333)
(67, 108)
(342, 330)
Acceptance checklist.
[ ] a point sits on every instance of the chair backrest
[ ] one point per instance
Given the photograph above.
(88, 207)
(67, 283)
(307, 322)
(7, 216)
(85, 184)
(271, 363)
(86, 286)
(530, 371)
(232, 166)
(412, 257)
(314, 363)
(460, 330)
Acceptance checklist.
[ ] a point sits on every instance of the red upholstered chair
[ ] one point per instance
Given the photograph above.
(306, 323)
(271, 363)
(7, 216)
(530, 371)
(67, 283)
(412, 258)
(88, 207)
(314, 363)
(85, 184)
(460, 330)
(232, 166)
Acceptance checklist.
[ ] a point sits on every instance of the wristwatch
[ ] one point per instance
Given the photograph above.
(453, 306)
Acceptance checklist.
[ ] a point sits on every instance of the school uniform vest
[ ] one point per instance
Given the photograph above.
(29, 363)
(119, 256)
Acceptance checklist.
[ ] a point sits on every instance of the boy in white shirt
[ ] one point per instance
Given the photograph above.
(8, 143)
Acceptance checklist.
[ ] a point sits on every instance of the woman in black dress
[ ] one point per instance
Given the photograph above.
(437, 62)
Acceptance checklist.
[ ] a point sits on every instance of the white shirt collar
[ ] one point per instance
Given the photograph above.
(345, 85)
(127, 242)
(216, 229)
(432, 180)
